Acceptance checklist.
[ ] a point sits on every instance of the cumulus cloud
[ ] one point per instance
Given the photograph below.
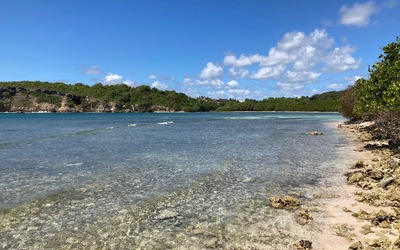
(336, 86)
(129, 82)
(211, 71)
(340, 60)
(242, 92)
(290, 87)
(92, 70)
(232, 84)
(359, 14)
(266, 73)
(111, 78)
(152, 77)
(238, 73)
(301, 77)
(297, 59)
(216, 83)
(159, 85)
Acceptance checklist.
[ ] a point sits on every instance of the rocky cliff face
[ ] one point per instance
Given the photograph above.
(22, 100)
(25, 100)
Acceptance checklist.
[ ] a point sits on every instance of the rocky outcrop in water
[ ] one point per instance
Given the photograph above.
(286, 202)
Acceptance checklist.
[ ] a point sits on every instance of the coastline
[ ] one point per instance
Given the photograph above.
(364, 214)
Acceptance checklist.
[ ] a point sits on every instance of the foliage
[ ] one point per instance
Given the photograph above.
(347, 103)
(381, 92)
(146, 99)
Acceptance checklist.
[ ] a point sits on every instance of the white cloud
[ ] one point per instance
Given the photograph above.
(336, 86)
(359, 14)
(295, 40)
(210, 82)
(159, 85)
(211, 71)
(340, 60)
(111, 78)
(296, 60)
(92, 70)
(290, 88)
(216, 83)
(301, 77)
(238, 73)
(232, 84)
(152, 77)
(231, 60)
(266, 73)
(352, 80)
(129, 82)
(242, 92)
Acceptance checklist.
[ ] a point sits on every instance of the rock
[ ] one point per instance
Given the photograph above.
(394, 194)
(166, 215)
(382, 243)
(359, 164)
(314, 133)
(366, 229)
(374, 174)
(363, 215)
(304, 217)
(344, 230)
(396, 244)
(386, 182)
(382, 219)
(248, 180)
(356, 246)
(302, 245)
(287, 202)
(355, 177)
(326, 196)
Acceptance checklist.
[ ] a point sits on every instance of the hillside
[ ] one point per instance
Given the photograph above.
(28, 96)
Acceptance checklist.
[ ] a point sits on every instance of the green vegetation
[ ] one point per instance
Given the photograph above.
(25, 96)
(380, 94)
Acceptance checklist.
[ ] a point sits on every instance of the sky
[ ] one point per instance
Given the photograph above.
(240, 49)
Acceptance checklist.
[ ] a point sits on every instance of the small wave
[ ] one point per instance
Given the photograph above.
(110, 128)
(165, 123)
(132, 125)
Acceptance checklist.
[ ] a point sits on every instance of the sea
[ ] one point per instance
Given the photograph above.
(161, 180)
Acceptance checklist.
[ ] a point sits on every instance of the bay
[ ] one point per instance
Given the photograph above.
(157, 180)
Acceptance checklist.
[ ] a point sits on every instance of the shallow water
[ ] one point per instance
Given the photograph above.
(158, 181)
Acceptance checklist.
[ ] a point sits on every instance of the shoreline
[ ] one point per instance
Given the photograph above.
(364, 215)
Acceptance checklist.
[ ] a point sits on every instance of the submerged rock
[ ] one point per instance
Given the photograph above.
(304, 217)
(287, 202)
(166, 215)
(314, 133)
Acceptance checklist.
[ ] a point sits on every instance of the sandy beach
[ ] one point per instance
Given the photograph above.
(361, 212)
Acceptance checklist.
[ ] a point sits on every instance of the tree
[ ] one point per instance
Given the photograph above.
(381, 92)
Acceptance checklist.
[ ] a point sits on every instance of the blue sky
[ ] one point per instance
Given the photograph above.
(219, 49)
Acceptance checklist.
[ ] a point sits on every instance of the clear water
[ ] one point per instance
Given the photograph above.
(155, 181)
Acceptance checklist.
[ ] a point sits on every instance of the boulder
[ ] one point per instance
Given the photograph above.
(355, 177)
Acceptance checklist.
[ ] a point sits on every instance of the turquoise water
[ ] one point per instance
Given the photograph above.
(148, 181)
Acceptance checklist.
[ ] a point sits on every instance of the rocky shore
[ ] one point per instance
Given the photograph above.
(375, 178)
(363, 212)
